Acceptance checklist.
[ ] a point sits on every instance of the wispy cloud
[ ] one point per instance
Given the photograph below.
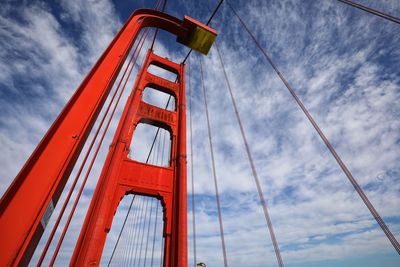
(343, 63)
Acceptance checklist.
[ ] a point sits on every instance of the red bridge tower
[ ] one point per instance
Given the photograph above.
(28, 203)
(121, 175)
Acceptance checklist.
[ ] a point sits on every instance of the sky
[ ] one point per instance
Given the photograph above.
(343, 63)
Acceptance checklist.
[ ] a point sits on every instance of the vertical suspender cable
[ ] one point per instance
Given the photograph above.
(143, 231)
(353, 181)
(221, 228)
(371, 11)
(162, 251)
(133, 232)
(135, 239)
(253, 168)
(130, 229)
(148, 233)
(154, 234)
(119, 235)
(191, 169)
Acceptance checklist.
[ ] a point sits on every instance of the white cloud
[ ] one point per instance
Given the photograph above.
(342, 63)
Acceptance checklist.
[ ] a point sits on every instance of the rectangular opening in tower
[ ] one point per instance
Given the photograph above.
(136, 234)
(159, 99)
(162, 72)
(151, 144)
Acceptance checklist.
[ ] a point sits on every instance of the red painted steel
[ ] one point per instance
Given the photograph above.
(28, 203)
(121, 175)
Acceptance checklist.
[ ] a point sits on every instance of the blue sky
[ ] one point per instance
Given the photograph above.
(343, 63)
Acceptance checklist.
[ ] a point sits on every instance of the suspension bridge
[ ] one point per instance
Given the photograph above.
(143, 180)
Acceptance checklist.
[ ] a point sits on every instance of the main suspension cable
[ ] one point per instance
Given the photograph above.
(253, 168)
(371, 11)
(353, 181)
(221, 227)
